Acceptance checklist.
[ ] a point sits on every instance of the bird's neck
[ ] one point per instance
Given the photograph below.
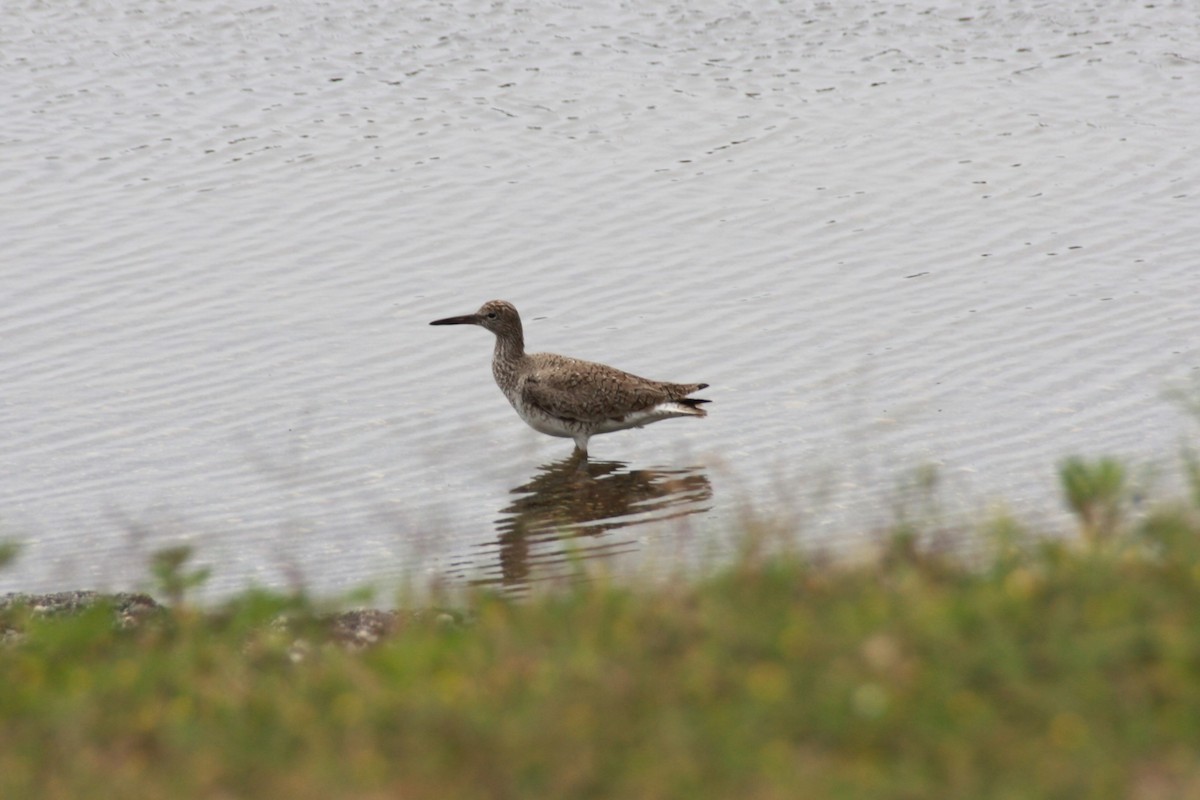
(506, 359)
(510, 347)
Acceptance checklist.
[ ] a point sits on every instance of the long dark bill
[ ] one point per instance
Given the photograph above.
(469, 319)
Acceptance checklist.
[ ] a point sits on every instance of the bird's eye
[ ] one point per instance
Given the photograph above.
(491, 315)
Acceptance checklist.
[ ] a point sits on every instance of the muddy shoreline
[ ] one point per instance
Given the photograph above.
(355, 628)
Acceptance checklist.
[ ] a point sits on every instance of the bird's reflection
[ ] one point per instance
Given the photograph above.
(570, 509)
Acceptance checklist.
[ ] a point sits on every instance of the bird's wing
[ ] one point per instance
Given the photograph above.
(588, 392)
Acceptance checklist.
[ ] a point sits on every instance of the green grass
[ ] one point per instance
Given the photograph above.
(1041, 669)
(1095, 491)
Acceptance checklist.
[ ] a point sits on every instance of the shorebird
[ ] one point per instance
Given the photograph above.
(569, 397)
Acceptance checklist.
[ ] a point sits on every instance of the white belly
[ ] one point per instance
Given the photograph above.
(553, 426)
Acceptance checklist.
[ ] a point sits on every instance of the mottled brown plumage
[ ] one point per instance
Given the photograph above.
(570, 397)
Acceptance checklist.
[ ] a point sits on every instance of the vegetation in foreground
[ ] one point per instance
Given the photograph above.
(1040, 669)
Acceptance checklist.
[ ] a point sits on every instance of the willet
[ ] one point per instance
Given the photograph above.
(569, 397)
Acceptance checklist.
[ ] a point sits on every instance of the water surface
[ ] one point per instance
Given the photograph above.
(887, 234)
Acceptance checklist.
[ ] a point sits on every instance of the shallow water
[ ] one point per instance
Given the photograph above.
(888, 235)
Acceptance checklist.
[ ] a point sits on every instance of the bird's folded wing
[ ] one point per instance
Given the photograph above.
(586, 397)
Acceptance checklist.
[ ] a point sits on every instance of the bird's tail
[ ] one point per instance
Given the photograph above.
(691, 406)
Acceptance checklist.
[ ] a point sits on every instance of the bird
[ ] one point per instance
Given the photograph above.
(569, 397)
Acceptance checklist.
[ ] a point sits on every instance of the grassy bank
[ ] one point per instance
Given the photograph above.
(1041, 669)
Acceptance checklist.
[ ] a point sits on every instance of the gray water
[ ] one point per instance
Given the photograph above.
(952, 234)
